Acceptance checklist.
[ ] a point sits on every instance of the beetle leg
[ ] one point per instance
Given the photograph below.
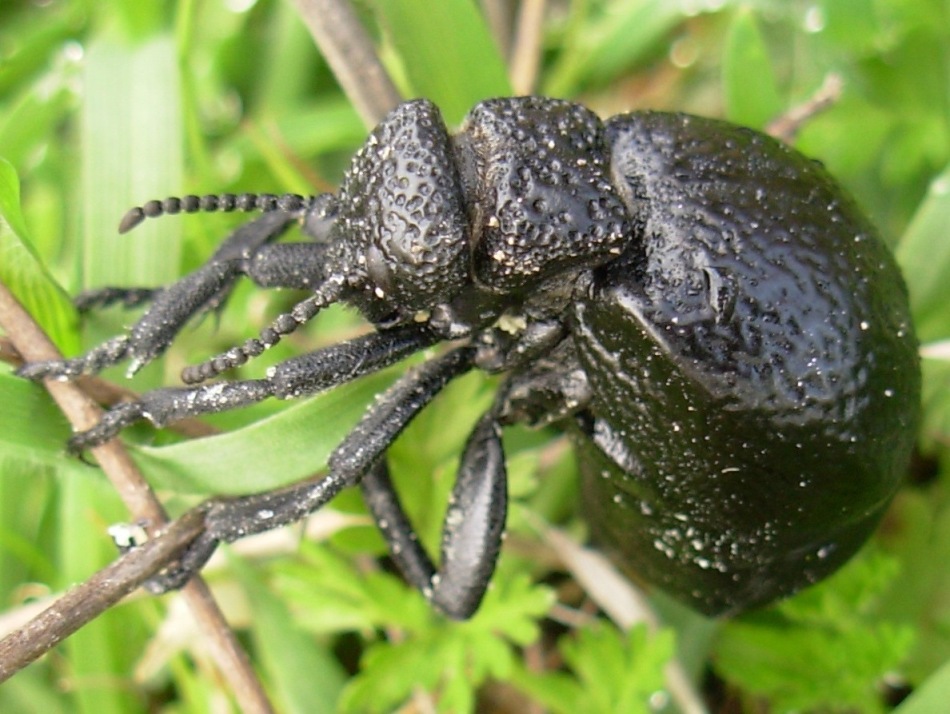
(228, 519)
(325, 294)
(205, 289)
(383, 502)
(548, 391)
(300, 376)
(98, 298)
(472, 531)
(284, 265)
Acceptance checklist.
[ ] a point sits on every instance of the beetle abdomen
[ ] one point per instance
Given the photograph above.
(753, 367)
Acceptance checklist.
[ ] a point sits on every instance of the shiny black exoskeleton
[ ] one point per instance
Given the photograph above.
(703, 309)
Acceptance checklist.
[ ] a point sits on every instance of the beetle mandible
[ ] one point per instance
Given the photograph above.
(707, 314)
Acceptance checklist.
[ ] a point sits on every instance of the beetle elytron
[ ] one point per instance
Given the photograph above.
(713, 321)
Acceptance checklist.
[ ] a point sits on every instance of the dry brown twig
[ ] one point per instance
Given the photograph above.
(75, 609)
(787, 126)
(87, 601)
(352, 56)
(526, 49)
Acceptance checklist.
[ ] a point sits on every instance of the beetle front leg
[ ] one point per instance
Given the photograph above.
(204, 289)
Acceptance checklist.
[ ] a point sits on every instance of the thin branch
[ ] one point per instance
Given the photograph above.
(107, 394)
(85, 602)
(787, 126)
(31, 342)
(526, 50)
(352, 56)
(939, 350)
(624, 604)
(498, 17)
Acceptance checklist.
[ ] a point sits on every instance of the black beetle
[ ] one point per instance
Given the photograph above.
(703, 309)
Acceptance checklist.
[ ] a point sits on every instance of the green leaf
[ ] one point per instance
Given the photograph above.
(918, 534)
(288, 446)
(931, 696)
(32, 429)
(330, 595)
(29, 691)
(439, 43)
(23, 273)
(751, 91)
(27, 126)
(826, 648)
(449, 659)
(850, 23)
(304, 674)
(512, 606)
(626, 33)
(924, 255)
(613, 671)
(619, 671)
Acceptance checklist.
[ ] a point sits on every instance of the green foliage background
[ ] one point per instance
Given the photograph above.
(106, 104)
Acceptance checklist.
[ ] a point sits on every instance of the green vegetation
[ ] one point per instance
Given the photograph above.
(106, 105)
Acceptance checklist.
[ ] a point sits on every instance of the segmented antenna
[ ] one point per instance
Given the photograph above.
(225, 202)
(325, 294)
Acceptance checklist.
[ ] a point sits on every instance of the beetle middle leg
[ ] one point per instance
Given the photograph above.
(296, 377)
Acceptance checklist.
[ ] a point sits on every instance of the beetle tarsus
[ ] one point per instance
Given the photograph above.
(94, 361)
(99, 298)
(111, 423)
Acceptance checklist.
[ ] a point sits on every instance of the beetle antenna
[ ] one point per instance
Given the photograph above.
(225, 202)
(327, 293)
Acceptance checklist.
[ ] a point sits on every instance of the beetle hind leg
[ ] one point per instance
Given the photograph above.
(472, 531)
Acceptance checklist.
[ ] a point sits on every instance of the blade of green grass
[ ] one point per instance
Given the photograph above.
(931, 696)
(751, 92)
(627, 33)
(924, 256)
(304, 675)
(131, 152)
(447, 51)
(99, 653)
(288, 446)
(22, 272)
